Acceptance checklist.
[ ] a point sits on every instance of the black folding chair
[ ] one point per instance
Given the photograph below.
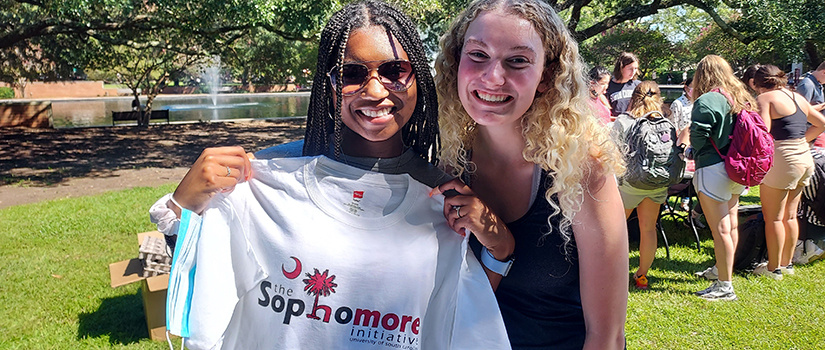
(683, 189)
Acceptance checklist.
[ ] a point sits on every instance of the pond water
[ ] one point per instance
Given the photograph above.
(68, 113)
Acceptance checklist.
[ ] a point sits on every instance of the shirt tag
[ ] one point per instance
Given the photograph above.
(354, 207)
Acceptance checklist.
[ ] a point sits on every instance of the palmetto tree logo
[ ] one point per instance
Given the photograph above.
(319, 284)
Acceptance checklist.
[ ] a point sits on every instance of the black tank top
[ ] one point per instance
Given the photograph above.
(790, 127)
(540, 299)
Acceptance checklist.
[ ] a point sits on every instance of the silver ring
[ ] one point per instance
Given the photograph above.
(457, 211)
(228, 171)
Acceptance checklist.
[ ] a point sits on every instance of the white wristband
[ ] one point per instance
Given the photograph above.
(172, 198)
(165, 217)
(495, 265)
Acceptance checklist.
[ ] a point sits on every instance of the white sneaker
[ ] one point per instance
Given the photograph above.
(707, 290)
(762, 270)
(716, 292)
(711, 273)
(806, 252)
(787, 270)
(814, 250)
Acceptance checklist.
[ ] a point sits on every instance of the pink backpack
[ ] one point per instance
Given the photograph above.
(750, 154)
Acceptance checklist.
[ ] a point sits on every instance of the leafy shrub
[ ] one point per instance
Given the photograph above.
(6, 92)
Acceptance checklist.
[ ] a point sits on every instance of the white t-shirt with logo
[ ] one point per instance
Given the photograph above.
(314, 254)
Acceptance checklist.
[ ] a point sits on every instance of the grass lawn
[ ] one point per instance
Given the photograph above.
(54, 286)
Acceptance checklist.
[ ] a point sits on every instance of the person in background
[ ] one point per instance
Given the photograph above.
(623, 82)
(810, 87)
(747, 77)
(680, 109)
(812, 214)
(599, 79)
(712, 120)
(646, 102)
(516, 126)
(793, 122)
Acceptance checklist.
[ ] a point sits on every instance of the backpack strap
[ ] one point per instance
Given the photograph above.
(716, 148)
(730, 101)
(723, 92)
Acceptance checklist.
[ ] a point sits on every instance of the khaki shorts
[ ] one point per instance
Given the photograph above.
(631, 196)
(714, 182)
(792, 167)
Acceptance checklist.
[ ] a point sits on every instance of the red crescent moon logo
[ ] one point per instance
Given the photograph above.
(297, 271)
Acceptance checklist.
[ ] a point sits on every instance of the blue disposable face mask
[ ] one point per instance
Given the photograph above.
(182, 276)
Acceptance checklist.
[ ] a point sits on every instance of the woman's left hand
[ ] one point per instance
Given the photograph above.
(465, 212)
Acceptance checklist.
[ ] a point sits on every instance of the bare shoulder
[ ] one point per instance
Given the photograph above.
(768, 96)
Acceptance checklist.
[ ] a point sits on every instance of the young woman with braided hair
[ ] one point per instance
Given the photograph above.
(335, 127)
(394, 271)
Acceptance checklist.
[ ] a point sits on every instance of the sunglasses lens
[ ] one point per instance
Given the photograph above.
(394, 75)
(353, 74)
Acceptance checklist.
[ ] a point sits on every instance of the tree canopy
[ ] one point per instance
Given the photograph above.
(35, 34)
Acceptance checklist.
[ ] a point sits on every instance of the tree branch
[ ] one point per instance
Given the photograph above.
(52, 27)
(32, 2)
(626, 14)
(726, 28)
(286, 35)
(575, 12)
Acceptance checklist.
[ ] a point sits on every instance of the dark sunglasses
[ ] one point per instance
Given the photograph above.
(395, 75)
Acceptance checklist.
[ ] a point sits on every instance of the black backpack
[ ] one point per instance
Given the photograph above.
(751, 249)
(653, 159)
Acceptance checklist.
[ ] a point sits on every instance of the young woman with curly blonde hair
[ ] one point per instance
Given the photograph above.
(539, 169)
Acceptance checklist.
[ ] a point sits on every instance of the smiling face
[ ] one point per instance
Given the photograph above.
(499, 70)
(374, 116)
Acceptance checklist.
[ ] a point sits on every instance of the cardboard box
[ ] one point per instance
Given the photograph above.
(152, 289)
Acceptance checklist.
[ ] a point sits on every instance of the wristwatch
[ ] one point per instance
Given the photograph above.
(490, 262)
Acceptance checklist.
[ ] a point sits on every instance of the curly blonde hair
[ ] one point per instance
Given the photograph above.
(714, 72)
(559, 127)
(646, 98)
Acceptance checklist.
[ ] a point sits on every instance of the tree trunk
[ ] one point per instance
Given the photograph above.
(147, 115)
(814, 59)
(143, 117)
(20, 84)
(245, 76)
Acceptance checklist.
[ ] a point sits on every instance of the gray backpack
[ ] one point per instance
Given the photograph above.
(653, 159)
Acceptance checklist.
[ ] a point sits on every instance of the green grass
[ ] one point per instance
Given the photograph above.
(769, 314)
(54, 286)
(54, 277)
